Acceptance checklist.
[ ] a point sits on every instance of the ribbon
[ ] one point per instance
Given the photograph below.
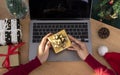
(11, 51)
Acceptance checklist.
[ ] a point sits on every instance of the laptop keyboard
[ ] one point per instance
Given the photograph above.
(77, 30)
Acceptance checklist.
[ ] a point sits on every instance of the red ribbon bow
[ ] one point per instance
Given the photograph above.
(11, 51)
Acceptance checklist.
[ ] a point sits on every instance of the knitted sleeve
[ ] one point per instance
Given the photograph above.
(98, 67)
(24, 69)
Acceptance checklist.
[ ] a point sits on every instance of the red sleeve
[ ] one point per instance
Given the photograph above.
(24, 69)
(97, 67)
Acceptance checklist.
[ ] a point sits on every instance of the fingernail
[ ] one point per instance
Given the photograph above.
(48, 44)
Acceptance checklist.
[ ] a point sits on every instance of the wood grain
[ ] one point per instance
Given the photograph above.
(65, 68)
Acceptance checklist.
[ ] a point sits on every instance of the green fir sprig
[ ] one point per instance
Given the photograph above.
(108, 11)
(17, 8)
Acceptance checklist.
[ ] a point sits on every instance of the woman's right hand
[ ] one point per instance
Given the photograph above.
(43, 49)
(79, 46)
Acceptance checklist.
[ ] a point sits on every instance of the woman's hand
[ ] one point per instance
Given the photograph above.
(79, 46)
(43, 49)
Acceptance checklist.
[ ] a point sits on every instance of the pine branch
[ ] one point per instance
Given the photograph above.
(17, 8)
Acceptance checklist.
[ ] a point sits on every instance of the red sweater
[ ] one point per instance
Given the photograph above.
(98, 67)
(27, 68)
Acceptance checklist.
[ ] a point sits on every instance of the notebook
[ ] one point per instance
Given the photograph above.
(55, 15)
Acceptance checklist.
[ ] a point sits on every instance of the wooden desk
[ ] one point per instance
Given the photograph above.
(66, 68)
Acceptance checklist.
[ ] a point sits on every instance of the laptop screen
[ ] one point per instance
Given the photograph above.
(59, 9)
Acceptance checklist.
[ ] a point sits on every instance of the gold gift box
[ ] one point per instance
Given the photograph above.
(14, 59)
(59, 41)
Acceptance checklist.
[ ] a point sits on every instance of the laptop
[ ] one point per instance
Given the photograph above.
(55, 15)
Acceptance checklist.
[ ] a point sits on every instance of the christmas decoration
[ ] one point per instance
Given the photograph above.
(107, 11)
(17, 8)
(112, 58)
(103, 33)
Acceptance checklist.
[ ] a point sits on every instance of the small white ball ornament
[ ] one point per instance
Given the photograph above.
(102, 50)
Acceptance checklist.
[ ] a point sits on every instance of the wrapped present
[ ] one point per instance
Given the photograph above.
(9, 55)
(10, 31)
(60, 41)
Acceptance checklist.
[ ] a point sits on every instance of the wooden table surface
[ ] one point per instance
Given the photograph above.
(65, 68)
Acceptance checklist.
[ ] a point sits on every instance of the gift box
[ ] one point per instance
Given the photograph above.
(9, 55)
(60, 41)
(10, 31)
(8, 61)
